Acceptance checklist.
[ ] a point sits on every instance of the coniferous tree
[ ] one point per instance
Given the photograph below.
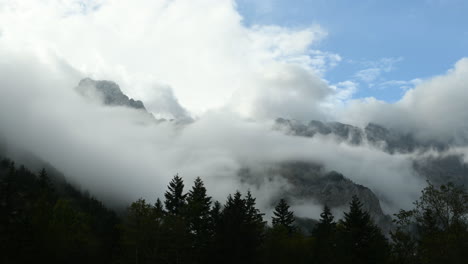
(44, 181)
(198, 220)
(140, 235)
(283, 216)
(360, 240)
(159, 210)
(254, 227)
(175, 198)
(325, 235)
(215, 215)
(198, 208)
(240, 230)
(283, 241)
(177, 234)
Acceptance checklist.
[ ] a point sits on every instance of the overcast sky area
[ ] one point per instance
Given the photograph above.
(232, 66)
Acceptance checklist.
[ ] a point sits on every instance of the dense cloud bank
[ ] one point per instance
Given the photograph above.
(435, 109)
(234, 80)
(116, 153)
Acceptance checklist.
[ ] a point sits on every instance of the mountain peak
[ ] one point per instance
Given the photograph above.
(109, 92)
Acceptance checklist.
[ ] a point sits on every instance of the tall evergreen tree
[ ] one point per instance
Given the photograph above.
(283, 216)
(325, 235)
(215, 215)
(361, 241)
(254, 226)
(198, 220)
(198, 208)
(240, 230)
(175, 197)
(44, 181)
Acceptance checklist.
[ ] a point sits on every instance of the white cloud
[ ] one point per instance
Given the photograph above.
(199, 55)
(434, 109)
(201, 49)
(375, 69)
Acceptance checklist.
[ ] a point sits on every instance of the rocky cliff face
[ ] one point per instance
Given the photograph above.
(438, 168)
(308, 181)
(109, 92)
(389, 140)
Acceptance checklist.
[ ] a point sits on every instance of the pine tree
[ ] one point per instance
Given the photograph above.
(158, 209)
(361, 241)
(283, 216)
(254, 216)
(44, 181)
(240, 230)
(215, 215)
(175, 198)
(198, 220)
(255, 221)
(325, 235)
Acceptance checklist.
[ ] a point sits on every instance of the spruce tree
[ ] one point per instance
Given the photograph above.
(215, 215)
(158, 209)
(254, 228)
(283, 216)
(325, 235)
(361, 241)
(175, 227)
(175, 198)
(240, 230)
(198, 220)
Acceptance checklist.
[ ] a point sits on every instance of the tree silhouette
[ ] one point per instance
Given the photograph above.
(175, 198)
(283, 216)
(198, 219)
(325, 235)
(361, 241)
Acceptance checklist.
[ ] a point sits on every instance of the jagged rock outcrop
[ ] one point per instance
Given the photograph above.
(109, 92)
(308, 181)
(442, 169)
(342, 131)
(389, 140)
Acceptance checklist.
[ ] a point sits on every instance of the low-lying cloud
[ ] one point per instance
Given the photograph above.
(196, 58)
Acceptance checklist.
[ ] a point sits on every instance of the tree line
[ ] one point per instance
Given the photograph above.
(43, 219)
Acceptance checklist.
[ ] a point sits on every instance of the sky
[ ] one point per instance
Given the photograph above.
(394, 42)
(233, 67)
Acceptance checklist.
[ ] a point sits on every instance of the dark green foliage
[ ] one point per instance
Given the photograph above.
(200, 226)
(38, 223)
(240, 230)
(282, 246)
(143, 235)
(359, 239)
(175, 197)
(283, 242)
(325, 238)
(283, 216)
(44, 219)
(436, 231)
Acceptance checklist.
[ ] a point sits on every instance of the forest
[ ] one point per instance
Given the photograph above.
(47, 220)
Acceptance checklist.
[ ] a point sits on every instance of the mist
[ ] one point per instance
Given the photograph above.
(119, 156)
(233, 80)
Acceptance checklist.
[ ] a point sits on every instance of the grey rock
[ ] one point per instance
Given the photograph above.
(310, 181)
(110, 92)
(444, 169)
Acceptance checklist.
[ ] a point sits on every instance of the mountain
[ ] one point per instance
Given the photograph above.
(109, 92)
(438, 168)
(308, 181)
(389, 140)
